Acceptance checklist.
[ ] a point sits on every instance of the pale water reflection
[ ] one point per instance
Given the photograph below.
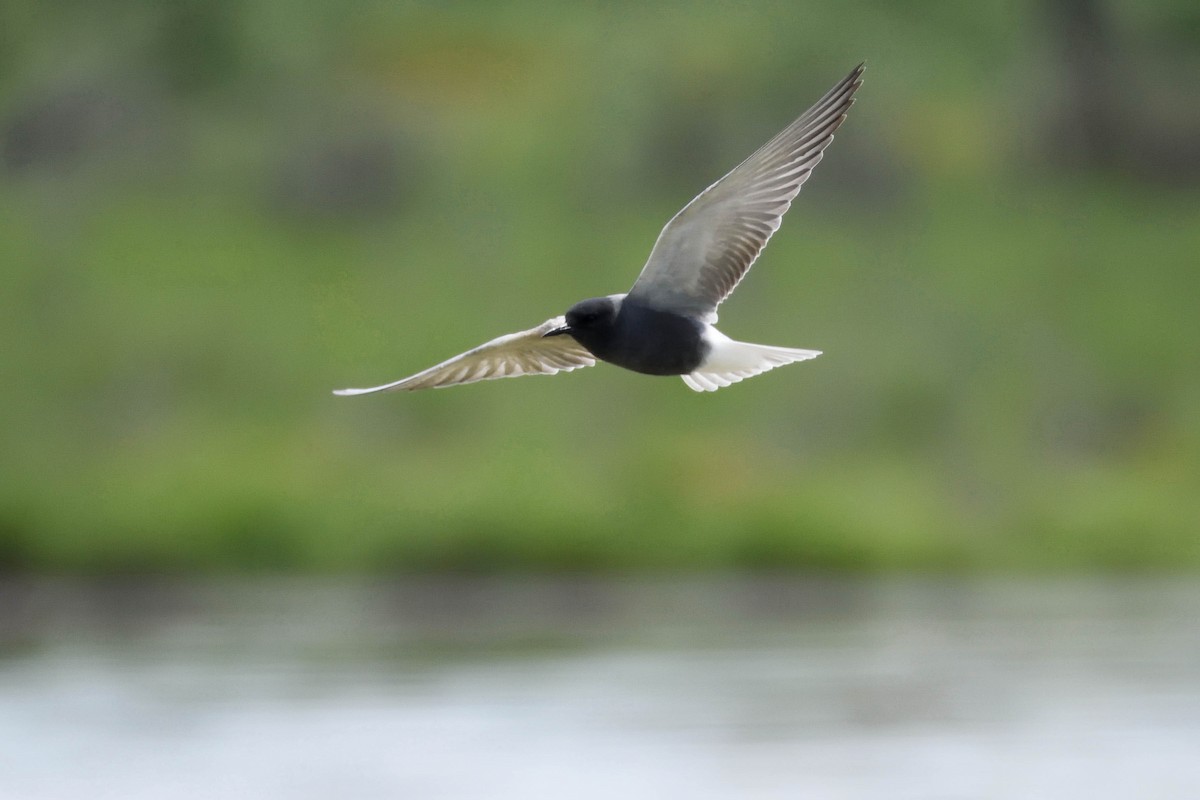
(739, 688)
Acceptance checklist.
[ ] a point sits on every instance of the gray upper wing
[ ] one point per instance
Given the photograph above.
(707, 247)
(526, 353)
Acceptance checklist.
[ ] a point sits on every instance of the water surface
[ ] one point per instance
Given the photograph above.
(737, 688)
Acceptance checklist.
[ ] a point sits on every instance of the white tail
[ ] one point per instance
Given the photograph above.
(730, 361)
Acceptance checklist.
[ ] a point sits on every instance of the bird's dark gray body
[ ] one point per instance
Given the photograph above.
(635, 336)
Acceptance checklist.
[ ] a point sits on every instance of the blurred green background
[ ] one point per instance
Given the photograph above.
(213, 213)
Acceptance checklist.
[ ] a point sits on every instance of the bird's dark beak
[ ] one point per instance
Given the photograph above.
(557, 331)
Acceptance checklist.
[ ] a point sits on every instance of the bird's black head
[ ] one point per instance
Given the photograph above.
(597, 313)
(590, 322)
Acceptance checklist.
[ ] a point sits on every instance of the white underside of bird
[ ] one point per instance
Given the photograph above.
(729, 361)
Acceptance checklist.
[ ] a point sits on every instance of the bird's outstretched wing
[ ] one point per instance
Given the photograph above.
(707, 247)
(529, 352)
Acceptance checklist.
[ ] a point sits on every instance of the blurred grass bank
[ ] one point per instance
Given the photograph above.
(212, 214)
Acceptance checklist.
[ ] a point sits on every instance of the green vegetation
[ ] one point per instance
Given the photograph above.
(266, 201)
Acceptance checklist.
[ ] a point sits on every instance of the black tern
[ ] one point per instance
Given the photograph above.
(664, 324)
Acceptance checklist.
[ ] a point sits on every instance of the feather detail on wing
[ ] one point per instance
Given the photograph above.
(707, 247)
(529, 352)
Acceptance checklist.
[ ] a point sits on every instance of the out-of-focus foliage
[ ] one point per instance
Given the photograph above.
(212, 213)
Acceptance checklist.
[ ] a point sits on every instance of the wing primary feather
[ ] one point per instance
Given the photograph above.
(707, 248)
(525, 353)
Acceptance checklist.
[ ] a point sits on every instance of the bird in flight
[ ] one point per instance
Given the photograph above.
(664, 324)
